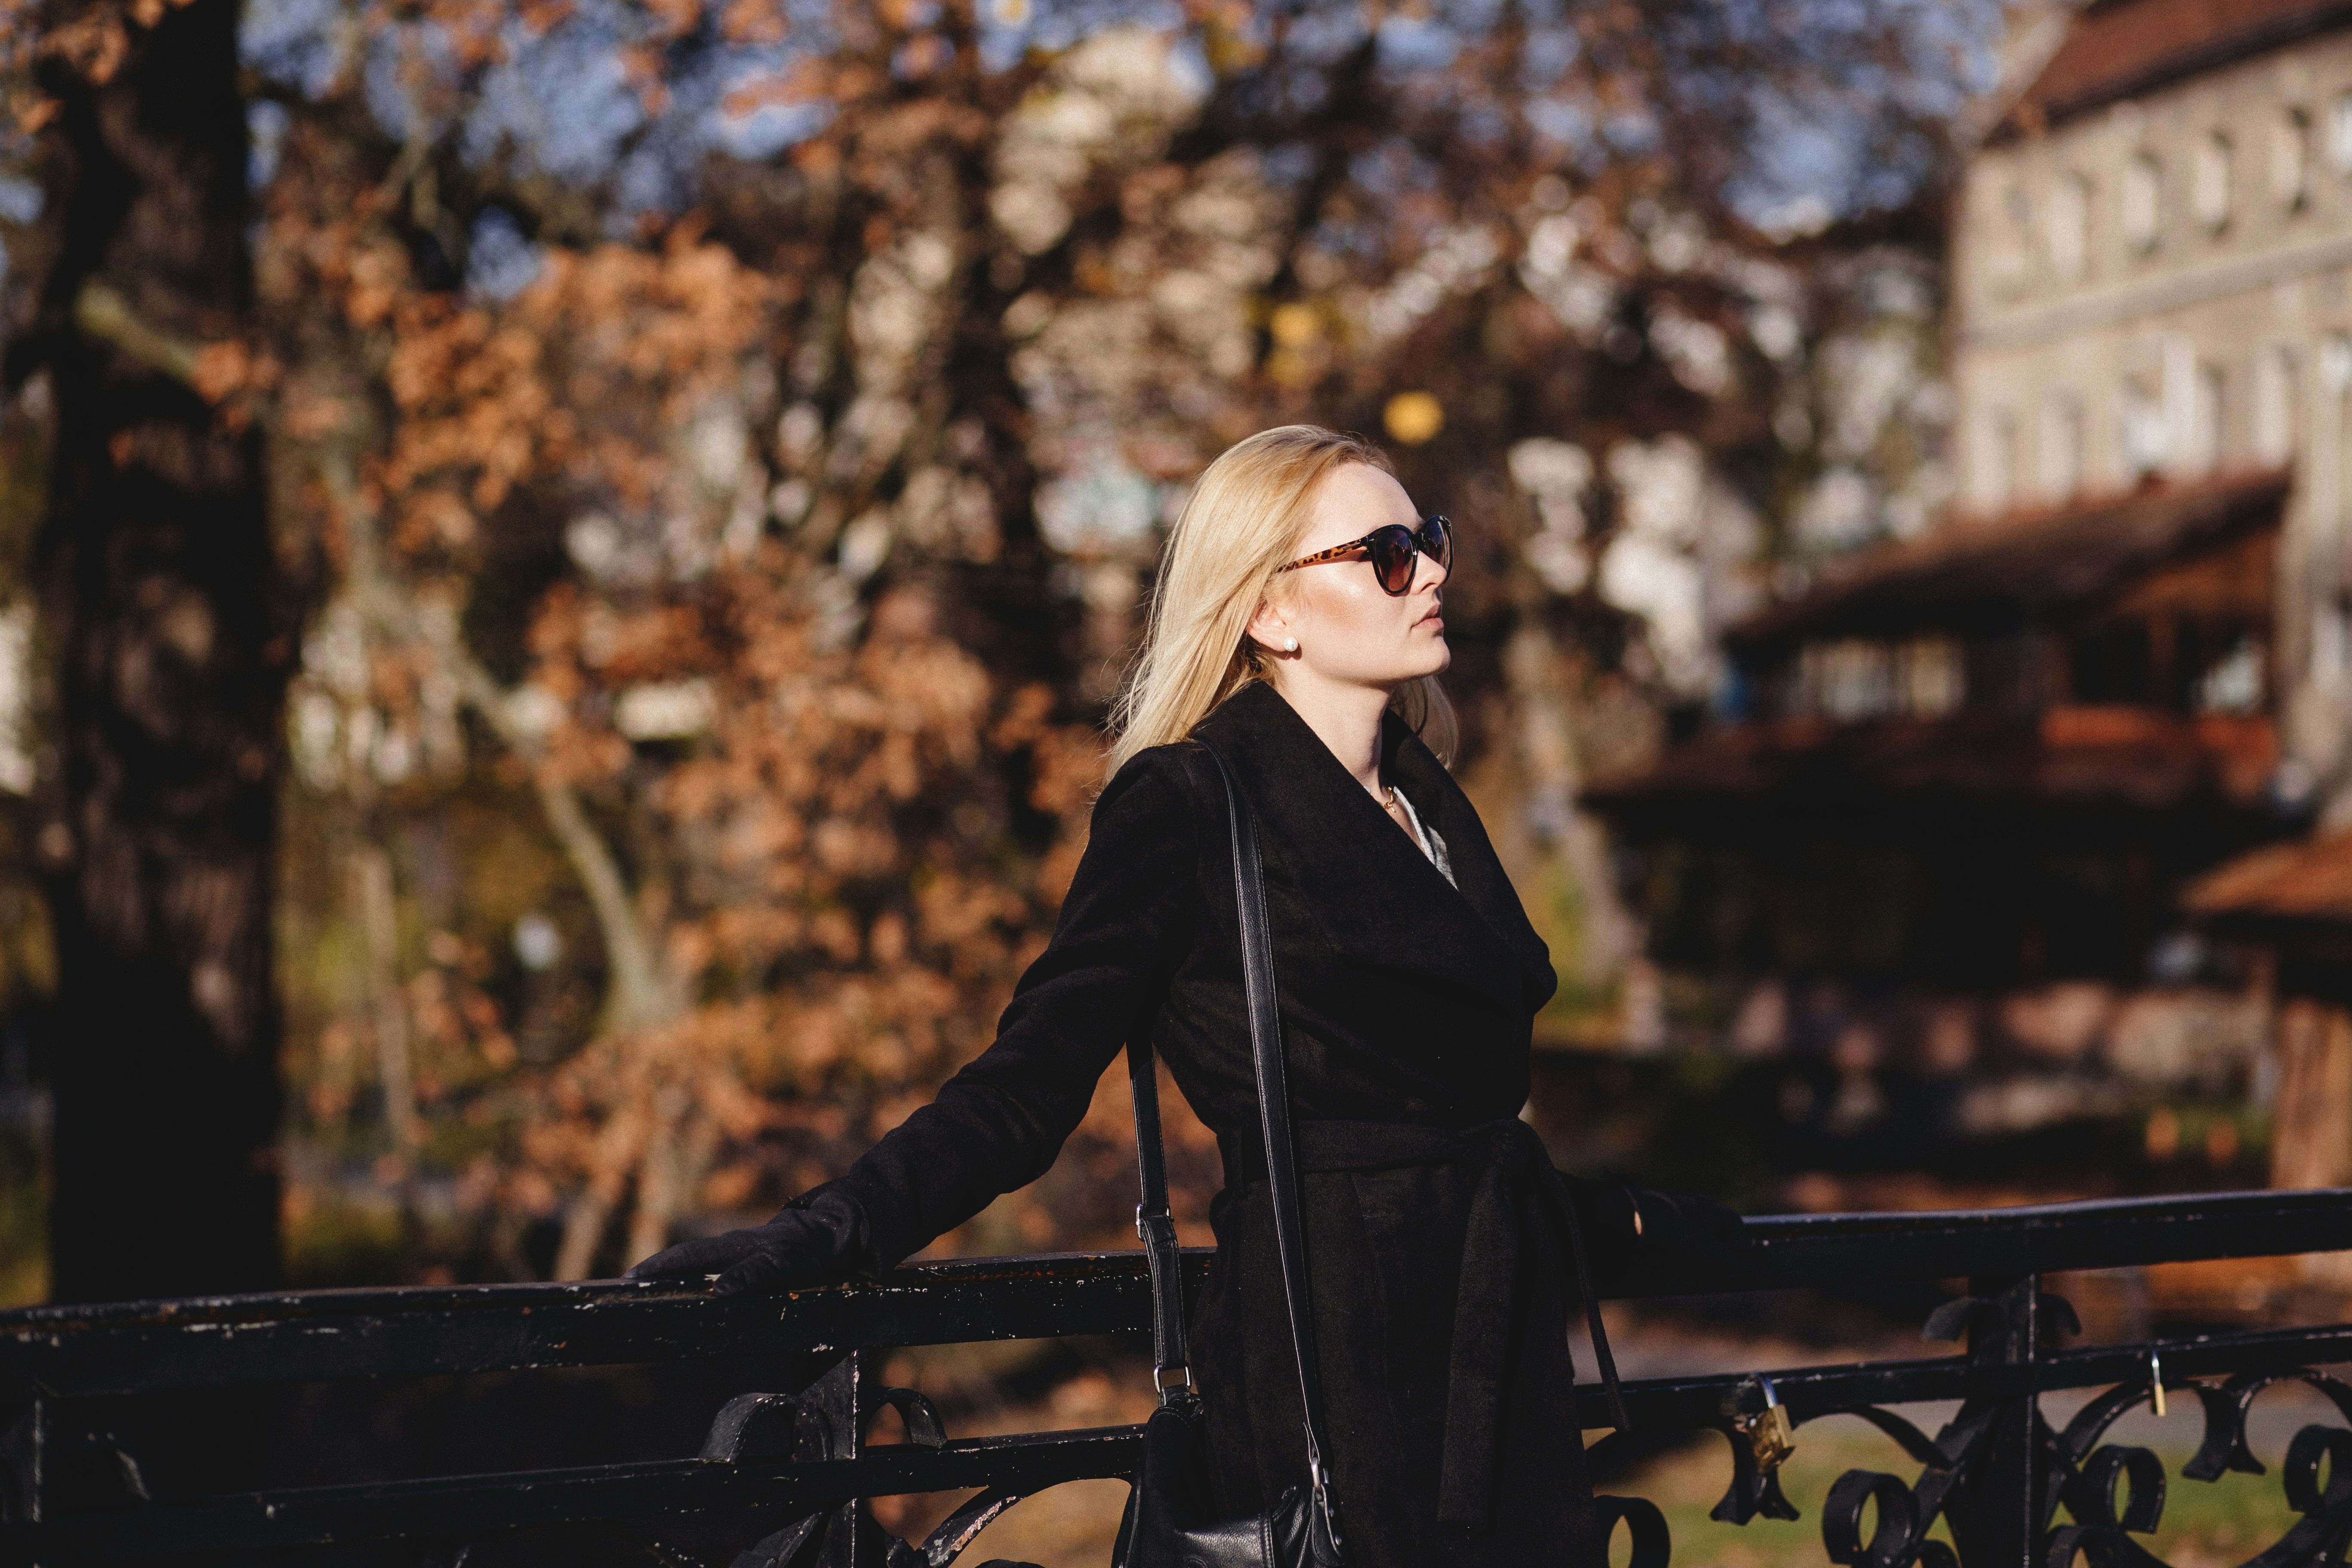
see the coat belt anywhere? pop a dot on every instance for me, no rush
(1519, 1213)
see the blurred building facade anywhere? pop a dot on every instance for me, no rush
(1960, 789)
(2152, 278)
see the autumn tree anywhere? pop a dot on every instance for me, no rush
(751, 523)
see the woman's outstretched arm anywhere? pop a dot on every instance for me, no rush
(998, 1124)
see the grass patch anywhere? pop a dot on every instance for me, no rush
(339, 1243)
(24, 1221)
(2205, 1525)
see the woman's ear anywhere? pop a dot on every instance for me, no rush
(1270, 631)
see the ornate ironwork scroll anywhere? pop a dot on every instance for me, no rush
(1998, 1476)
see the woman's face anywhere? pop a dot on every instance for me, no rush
(1351, 632)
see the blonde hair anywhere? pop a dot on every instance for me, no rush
(1240, 526)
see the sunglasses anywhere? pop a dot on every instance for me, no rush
(1392, 551)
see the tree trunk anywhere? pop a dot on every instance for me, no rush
(172, 659)
(379, 927)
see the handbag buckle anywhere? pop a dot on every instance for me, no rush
(1319, 1485)
(1159, 1381)
(1318, 1482)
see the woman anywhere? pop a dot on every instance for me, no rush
(1297, 628)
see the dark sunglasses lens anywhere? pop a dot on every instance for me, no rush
(1391, 549)
(1437, 540)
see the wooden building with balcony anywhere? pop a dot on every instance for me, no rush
(1987, 758)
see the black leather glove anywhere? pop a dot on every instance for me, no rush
(818, 1238)
(1690, 1240)
(1645, 1240)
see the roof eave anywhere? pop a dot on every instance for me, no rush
(2214, 510)
(2028, 115)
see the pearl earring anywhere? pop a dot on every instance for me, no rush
(1290, 644)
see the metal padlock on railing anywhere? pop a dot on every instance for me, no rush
(1771, 1438)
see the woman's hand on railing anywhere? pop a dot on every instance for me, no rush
(818, 1238)
(1646, 1240)
(1688, 1238)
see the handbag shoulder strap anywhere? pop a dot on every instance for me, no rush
(1156, 1227)
(1274, 1115)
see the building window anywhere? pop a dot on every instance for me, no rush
(2020, 208)
(2203, 453)
(2333, 401)
(2016, 260)
(2331, 642)
(1855, 678)
(2209, 183)
(2192, 408)
(2339, 134)
(2234, 682)
(1932, 677)
(2141, 209)
(2274, 403)
(2062, 445)
(2336, 364)
(2140, 431)
(2069, 226)
(1996, 462)
(1848, 680)
(2011, 246)
(2291, 159)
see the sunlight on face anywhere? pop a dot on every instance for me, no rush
(1349, 631)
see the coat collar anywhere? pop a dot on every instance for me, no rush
(1378, 897)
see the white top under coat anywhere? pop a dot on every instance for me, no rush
(1432, 845)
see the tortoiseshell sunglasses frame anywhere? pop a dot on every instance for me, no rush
(1442, 555)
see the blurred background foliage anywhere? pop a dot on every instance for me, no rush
(717, 454)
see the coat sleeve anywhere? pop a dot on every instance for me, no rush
(998, 1123)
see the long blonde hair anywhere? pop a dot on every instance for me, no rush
(1240, 526)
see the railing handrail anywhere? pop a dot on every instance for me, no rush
(787, 1457)
(323, 1335)
(460, 1503)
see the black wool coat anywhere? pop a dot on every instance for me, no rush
(1438, 1286)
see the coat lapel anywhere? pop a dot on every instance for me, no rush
(1378, 899)
(1477, 871)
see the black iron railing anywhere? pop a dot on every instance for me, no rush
(781, 1475)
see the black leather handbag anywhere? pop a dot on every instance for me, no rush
(1171, 1513)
